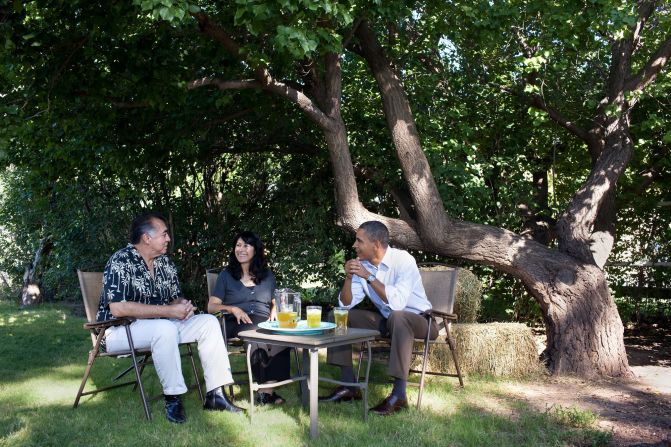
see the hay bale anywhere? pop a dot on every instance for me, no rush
(468, 297)
(496, 349)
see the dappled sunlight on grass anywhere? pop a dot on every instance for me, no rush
(43, 365)
(52, 314)
(48, 390)
(14, 431)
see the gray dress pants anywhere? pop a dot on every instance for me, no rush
(402, 327)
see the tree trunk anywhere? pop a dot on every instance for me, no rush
(584, 329)
(3, 276)
(583, 326)
(585, 333)
(30, 292)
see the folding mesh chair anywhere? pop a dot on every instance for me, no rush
(440, 284)
(90, 284)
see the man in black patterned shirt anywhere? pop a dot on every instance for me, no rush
(140, 281)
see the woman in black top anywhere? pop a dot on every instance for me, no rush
(245, 290)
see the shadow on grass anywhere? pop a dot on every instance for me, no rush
(39, 339)
(115, 418)
(43, 364)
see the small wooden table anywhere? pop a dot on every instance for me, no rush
(310, 344)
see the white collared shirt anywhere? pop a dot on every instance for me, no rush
(402, 284)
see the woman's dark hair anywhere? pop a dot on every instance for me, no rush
(258, 267)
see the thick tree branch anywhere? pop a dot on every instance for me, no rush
(264, 80)
(648, 73)
(333, 84)
(217, 33)
(431, 214)
(225, 85)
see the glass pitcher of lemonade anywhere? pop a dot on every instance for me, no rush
(288, 305)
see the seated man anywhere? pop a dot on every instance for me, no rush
(391, 279)
(140, 281)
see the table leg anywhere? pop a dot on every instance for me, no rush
(314, 384)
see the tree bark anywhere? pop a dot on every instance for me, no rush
(431, 216)
(30, 292)
(3, 276)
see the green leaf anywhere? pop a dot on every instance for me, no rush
(147, 5)
(166, 13)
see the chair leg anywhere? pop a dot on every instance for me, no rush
(92, 358)
(358, 367)
(425, 360)
(147, 412)
(143, 363)
(195, 373)
(367, 378)
(299, 370)
(453, 350)
(248, 350)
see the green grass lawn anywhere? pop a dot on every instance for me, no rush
(43, 354)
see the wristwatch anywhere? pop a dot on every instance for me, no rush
(370, 278)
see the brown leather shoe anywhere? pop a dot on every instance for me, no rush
(389, 405)
(341, 394)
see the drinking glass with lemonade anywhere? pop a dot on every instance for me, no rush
(314, 318)
(340, 314)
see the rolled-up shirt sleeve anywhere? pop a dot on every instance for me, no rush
(357, 293)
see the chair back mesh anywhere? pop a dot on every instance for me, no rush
(211, 282)
(440, 287)
(91, 285)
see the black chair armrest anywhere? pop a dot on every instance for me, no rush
(123, 321)
(221, 313)
(437, 313)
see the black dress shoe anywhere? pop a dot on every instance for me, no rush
(269, 399)
(389, 405)
(174, 410)
(342, 394)
(216, 400)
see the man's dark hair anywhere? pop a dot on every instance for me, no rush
(258, 267)
(143, 224)
(376, 231)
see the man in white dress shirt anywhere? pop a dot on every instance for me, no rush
(389, 277)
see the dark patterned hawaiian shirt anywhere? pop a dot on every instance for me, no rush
(127, 278)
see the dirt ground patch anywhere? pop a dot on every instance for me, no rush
(637, 412)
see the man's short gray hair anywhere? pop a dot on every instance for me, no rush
(376, 231)
(144, 224)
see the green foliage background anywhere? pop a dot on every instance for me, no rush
(98, 124)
